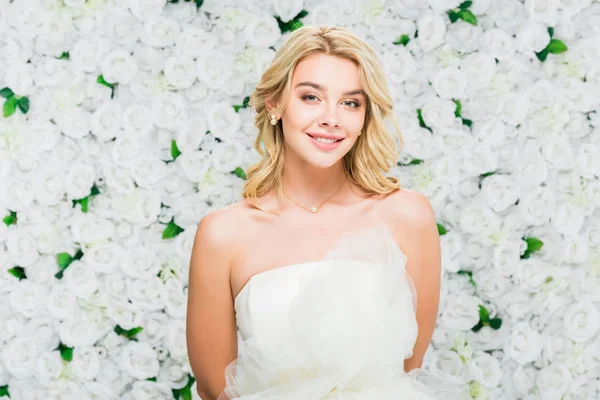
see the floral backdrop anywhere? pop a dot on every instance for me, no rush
(125, 122)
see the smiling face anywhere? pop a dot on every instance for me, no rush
(326, 110)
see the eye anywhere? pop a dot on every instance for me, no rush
(309, 97)
(352, 103)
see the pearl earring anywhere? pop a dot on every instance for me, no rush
(273, 119)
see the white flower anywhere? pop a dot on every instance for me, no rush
(498, 43)
(148, 294)
(323, 15)
(448, 361)
(449, 83)
(262, 31)
(581, 321)
(140, 262)
(79, 180)
(103, 257)
(533, 37)
(438, 113)
(287, 9)
(81, 280)
(148, 170)
(491, 284)
(106, 121)
(543, 10)
(155, 328)
(553, 381)
(18, 78)
(73, 122)
(61, 303)
(149, 390)
(21, 247)
(118, 67)
(175, 339)
(461, 312)
(399, 63)
(144, 9)
(173, 375)
(500, 192)
(86, 363)
(19, 357)
(180, 72)
(223, 121)
(27, 298)
(525, 344)
(30, 18)
(137, 120)
(432, 28)
(226, 156)
(149, 59)
(168, 111)
(463, 37)
(452, 245)
(160, 32)
(506, 258)
(139, 360)
(485, 368)
(215, 70)
(176, 299)
(89, 229)
(48, 367)
(568, 218)
(195, 43)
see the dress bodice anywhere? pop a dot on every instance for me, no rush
(337, 328)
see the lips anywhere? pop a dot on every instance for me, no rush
(324, 136)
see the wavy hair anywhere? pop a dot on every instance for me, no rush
(374, 151)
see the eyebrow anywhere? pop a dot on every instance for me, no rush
(323, 89)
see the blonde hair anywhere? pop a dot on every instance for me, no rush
(374, 151)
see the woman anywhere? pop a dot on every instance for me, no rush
(330, 271)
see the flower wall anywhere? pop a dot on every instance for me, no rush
(125, 122)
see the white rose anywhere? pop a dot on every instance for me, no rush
(452, 244)
(144, 9)
(48, 187)
(447, 361)
(432, 28)
(288, 9)
(141, 207)
(118, 67)
(538, 205)
(21, 247)
(148, 171)
(438, 113)
(585, 164)
(15, 194)
(48, 367)
(262, 31)
(97, 390)
(568, 218)
(575, 249)
(148, 294)
(148, 390)
(149, 59)
(544, 11)
(176, 299)
(87, 53)
(106, 121)
(461, 312)
(27, 298)
(160, 32)
(73, 122)
(223, 121)
(19, 356)
(88, 229)
(111, 376)
(399, 64)
(558, 152)
(524, 345)
(180, 72)
(137, 120)
(175, 339)
(139, 360)
(497, 43)
(140, 262)
(168, 111)
(29, 18)
(553, 381)
(506, 258)
(463, 37)
(581, 321)
(61, 303)
(449, 83)
(122, 29)
(477, 218)
(79, 330)
(86, 363)
(80, 279)
(225, 156)
(533, 37)
(18, 78)
(500, 192)
(173, 375)
(191, 135)
(523, 379)
(216, 69)
(194, 42)
(323, 15)
(155, 328)
(79, 180)
(491, 284)
(42, 271)
(103, 257)
(485, 368)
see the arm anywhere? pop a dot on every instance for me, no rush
(416, 225)
(211, 333)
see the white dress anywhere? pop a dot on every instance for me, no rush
(337, 328)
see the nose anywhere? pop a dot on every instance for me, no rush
(329, 119)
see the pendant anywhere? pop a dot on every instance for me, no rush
(314, 209)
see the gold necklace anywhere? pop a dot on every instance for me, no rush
(314, 209)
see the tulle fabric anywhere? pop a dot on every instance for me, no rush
(345, 335)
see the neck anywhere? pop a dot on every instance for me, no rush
(310, 185)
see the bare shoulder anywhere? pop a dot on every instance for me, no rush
(409, 209)
(220, 229)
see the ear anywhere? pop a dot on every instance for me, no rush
(270, 104)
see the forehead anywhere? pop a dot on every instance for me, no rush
(329, 71)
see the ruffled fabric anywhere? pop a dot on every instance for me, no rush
(344, 334)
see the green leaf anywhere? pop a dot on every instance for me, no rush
(65, 56)
(464, 5)
(186, 392)
(129, 334)
(10, 106)
(6, 93)
(95, 191)
(556, 46)
(550, 31)
(414, 161)
(10, 219)
(171, 230)
(467, 122)
(64, 260)
(477, 327)
(103, 82)
(151, 379)
(295, 25)
(23, 104)
(467, 16)
(453, 15)
(487, 174)
(174, 150)
(533, 245)
(441, 229)
(18, 272)
(542, 55)
(66, 353)
(198, 3)
(469, 274)
(244, 104)
(495, 323)
(484, 314)
(4, 391)
(458, 108)
(402, 40)
(422, 121)
(240, 173)
(301, 14)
